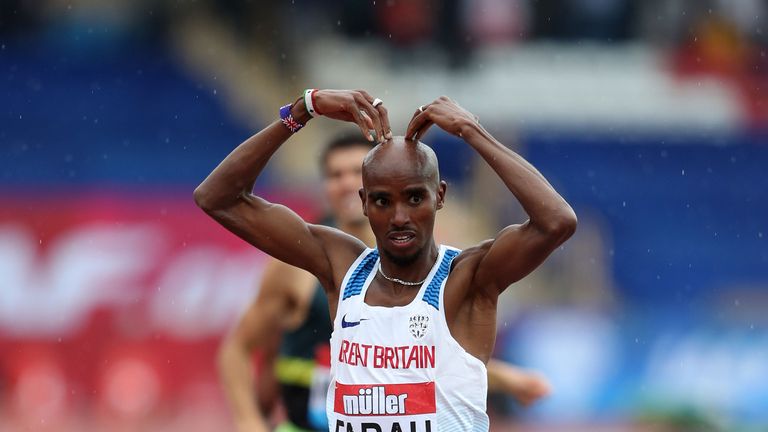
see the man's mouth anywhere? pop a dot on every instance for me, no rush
(401, 238)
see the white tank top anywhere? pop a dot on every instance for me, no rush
(398, 369)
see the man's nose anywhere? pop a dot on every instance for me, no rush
(402, 215)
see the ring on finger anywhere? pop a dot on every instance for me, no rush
(377, 102)
(421, 108)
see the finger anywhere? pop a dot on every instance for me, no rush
(373, 114)
(408, 133)
(418, 111)
(380, 132)
(384, 116)
(416, 127)
(358, 116)
(366, 95)
(423, 131)
(368, 121)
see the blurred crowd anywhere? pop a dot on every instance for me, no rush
(716, 38)
(455, 25)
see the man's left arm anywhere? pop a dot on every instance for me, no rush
(517, 249)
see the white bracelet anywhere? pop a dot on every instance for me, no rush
(308, 102)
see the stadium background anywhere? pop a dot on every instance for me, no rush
(649, 117)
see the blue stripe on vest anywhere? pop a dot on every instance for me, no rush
(432, 293)
(358, 277)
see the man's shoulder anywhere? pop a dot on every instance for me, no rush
(461, 285)
(464, 266)
(473, 252)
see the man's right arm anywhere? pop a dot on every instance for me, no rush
(226, 194)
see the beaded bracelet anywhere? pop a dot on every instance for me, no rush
(287, 118)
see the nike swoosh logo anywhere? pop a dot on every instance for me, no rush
(347, 324)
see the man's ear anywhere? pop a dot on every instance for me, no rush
(441, 194)
(361, 192)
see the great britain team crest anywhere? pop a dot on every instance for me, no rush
(418, 325)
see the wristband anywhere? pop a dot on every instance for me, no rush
(309, 101)
(287, 118)
(314, 104)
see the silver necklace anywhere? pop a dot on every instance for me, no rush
(400, 281)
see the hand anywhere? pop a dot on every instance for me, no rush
(533, 387)
(525, 386)
(443, 112)
(355, 106)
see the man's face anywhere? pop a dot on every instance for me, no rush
(401, 204)
(343, 169)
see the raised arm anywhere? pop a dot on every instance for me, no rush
(226, 195)
(517, 249)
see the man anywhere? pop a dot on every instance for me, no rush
(414, 322)
(292, 304)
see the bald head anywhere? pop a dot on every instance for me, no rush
(400, 157)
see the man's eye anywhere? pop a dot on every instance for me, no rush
(380, 201)
(416, 199)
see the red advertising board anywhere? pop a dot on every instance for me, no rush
(114, 305)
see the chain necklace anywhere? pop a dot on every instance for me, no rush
(400, 281)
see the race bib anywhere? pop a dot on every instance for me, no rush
(384, 408)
